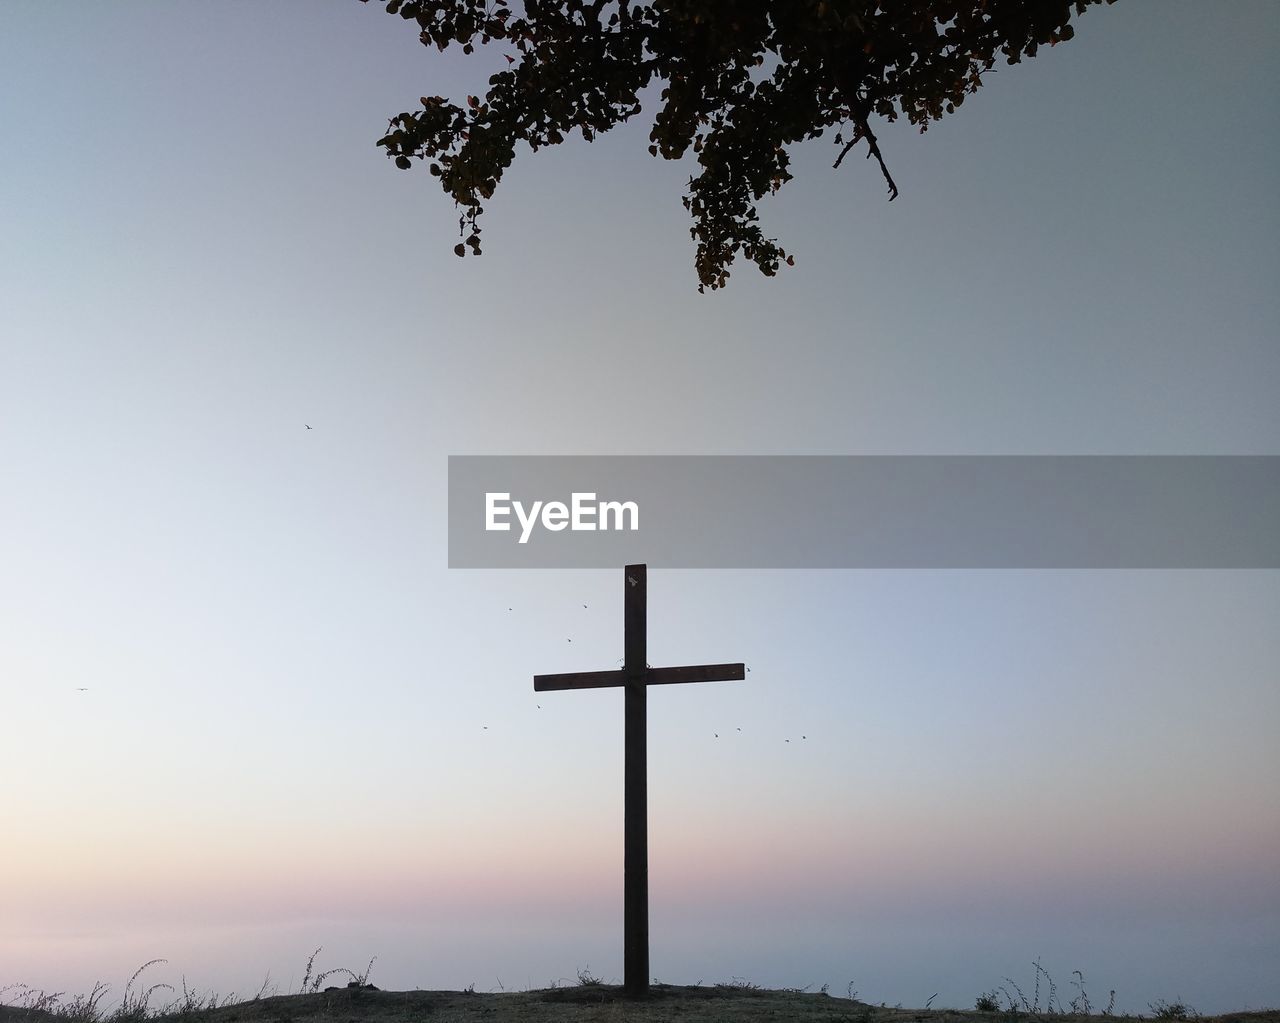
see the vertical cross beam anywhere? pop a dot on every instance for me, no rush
(635, 840)
(634, 679)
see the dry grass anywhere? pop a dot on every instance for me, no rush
(582, 1003)
(589, 1001)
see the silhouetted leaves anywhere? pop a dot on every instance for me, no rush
(741, 81)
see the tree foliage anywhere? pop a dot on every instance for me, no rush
(740, 82)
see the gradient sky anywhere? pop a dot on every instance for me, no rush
(283, 745)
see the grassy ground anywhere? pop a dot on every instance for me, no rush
(586, 1003)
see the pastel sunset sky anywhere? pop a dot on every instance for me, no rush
(248, 710)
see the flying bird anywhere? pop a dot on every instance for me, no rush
(82, 689)
(739, 729)
(632, 581)
(308, 427)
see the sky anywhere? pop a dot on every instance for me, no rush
(299, 728)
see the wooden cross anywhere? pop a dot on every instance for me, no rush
(635, 678)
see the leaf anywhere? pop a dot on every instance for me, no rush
(403, 162)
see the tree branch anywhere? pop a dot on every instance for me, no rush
(873, 149)
(859, 109)
(847, 146)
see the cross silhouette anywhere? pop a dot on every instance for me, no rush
(634, 678)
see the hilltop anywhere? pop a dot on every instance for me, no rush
(583, 1003)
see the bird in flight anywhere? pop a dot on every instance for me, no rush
(308, 427)
(632, 581)
(739, 729)
(82, 689)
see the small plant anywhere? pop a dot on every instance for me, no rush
(133, 1008)
(1026, 1006)
(84, 1008)
(306, 977)
(1053, 989)
(27, 997)
(193, 1002)
(1080, 1004)
(737, 984)
(1016, 1001)
(586, 979)
(1160, 1009)
(311, 984)
(988, 1001)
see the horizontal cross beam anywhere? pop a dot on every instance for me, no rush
(652, 676)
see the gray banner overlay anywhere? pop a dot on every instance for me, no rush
(818, 511)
